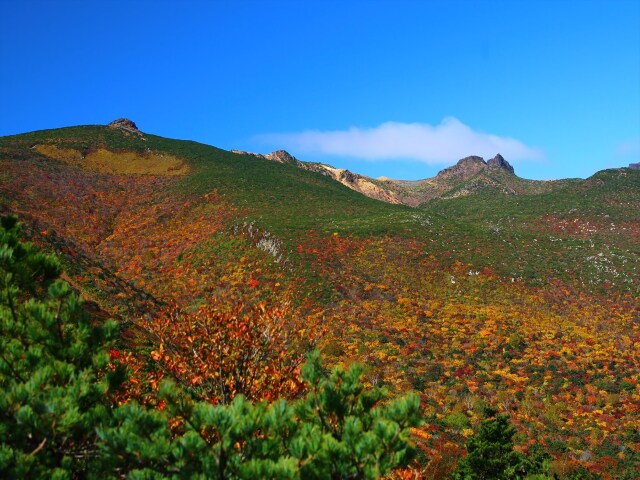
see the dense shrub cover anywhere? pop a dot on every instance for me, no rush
(58, 417)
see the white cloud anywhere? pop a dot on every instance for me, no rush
(439, 144)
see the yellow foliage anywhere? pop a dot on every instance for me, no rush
(124, 162)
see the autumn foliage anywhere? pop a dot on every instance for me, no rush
(221, 352)
(60, 418)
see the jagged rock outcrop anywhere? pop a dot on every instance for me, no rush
(469, 176)
(125, 124)
(499, 162)
(281, 156)
(634, 166)
(465, 168)
(472, 165)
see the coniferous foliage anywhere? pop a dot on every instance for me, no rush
(339, 430)
(54, 386)
(490, 453)
(346, 429)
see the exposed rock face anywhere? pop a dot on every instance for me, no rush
(465, 168)
(242, 152)
(634, 166)
(499, 162)
(354, 181)
(124, 124)
(281, 156)
(471, 166)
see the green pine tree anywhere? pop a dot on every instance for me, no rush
(54, 387)
(339, 430)
(347, 431)
(490, 454)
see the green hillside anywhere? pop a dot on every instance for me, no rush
(247, 181)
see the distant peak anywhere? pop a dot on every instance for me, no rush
(124, 124)
(473, 164)
(281, 156)
(472, 159)
(499, 162)
(466, 167)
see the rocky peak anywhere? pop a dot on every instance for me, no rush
(281, 156)
(634, 166)
(465, 168)
(472, 165)
(471, 160)
(124, 124)
(499, 162)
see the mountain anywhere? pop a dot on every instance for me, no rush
(82, 185)
(469, 176)
(492, 290)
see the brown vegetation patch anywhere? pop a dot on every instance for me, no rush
(118, 162)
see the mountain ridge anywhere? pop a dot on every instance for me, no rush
(468, 176)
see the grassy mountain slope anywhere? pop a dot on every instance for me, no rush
(470, 176)
(526, 301)
(75, 204)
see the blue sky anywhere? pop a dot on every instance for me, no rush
(394, 88)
